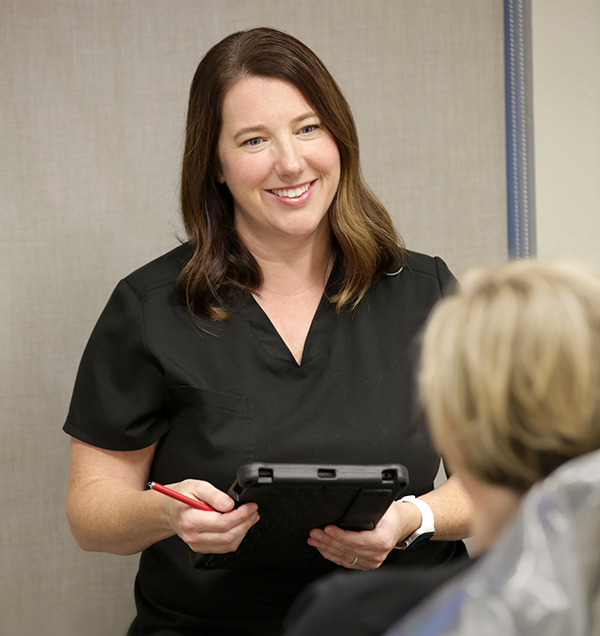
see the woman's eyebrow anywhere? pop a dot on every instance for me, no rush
(307, 115)
(249, 130)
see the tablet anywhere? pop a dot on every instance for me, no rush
(295, 498)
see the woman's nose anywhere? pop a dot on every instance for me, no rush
(290, 160)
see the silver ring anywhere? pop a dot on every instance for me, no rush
(355, 561)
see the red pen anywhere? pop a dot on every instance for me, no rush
(177, 495)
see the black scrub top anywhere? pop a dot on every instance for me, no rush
(232, 394)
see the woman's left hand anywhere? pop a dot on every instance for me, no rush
(367, 549)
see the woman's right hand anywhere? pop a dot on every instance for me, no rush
(209, 532)
(110, 508)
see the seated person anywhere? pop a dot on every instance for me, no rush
(541, 577)
(510, 383)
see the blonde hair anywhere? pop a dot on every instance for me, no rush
(510, 370)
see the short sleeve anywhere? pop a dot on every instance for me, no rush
(118, 401)
(448, 282)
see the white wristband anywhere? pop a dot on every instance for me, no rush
(425, 531)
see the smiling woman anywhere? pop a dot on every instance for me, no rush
(281, 331)
(362, 235)
(280, 165)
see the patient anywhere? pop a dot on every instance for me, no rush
(510, 383)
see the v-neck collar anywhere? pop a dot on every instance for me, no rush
(318, 336)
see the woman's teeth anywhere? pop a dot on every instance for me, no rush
(292, 192)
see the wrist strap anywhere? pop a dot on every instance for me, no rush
(427, 528)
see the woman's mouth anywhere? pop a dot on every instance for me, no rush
(293, 196)
(290, 193)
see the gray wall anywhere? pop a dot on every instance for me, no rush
(566, 110)
(92, 104)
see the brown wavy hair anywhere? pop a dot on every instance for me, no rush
(363, 235)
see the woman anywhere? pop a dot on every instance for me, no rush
(281, 331)
(510, 379)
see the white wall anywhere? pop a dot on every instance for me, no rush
(566, 98)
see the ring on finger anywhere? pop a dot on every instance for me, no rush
(355, 561)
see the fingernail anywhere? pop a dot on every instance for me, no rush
(329, 531)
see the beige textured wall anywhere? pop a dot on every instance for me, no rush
(566, 100)
(92, 99)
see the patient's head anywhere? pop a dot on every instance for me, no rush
(510, 371)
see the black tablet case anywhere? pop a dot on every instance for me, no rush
(295, 498)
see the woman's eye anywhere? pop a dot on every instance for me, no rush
(255, 141)
(306, 130)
